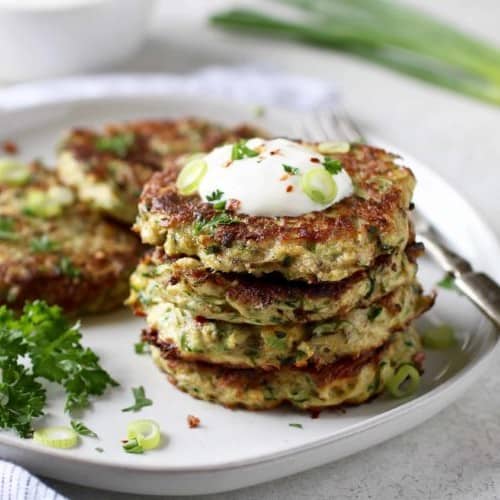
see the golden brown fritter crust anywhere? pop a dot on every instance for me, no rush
(319, 246)
(269, 299)
(111, 175)
(348, 381)
(75, 259)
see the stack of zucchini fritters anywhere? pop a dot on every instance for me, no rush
(255, 311)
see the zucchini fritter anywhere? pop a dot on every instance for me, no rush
(109, 169)
(56, 249)
(268, 300)
(348, 381)
(186, 337)
(316, 247)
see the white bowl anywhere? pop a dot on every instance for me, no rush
(46, 38)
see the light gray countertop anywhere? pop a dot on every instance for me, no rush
(456, 454)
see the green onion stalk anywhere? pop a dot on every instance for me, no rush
(398, 37)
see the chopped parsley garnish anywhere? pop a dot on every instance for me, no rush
(298, 426)
(132, 446)
(216, 199)
(333, 166)
(373, 312)
(141, 347)
(99, 449)
(44, 336)
(7, 229)
(68, 269)
(118, 144)
(140, 399)
(42, 244)
(447, 282)
(241, 150)
(291, 170)
(222, 219)
(82, 429)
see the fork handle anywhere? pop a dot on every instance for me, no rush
(483, 292)
(478, 287)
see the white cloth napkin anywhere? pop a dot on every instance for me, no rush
(248, 84)
(17, 483)
(259, 86)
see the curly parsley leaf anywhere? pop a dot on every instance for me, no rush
(241, 150)
(333, 166)
(44, 336)
(119, 144)
(82, 429)
(57, 355)
(140, 400)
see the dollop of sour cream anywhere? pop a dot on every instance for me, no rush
(269, 183)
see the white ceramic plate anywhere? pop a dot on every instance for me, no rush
(232, 449)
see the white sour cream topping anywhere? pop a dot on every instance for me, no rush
(261, 184)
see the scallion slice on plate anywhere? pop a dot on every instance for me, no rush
(56, 437)
(404, 382)
(146, 433)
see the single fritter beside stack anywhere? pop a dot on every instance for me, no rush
(283, 272)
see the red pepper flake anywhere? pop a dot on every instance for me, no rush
(201, 319)
(289, 188)
(315, 413)
(275, 152)
(419, 359)
(193, 421)
(10, 147)
(314, 160)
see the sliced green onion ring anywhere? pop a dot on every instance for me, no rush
(439, 337)
(191, 175)
(13, 172)
(404, 382)
(319, 185)
(56, 437)
(330, 147)
(145, 432)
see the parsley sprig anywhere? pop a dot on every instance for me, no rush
(140, 400)
(241, 150)
(216, 199)
(332, 165)
(44, 336)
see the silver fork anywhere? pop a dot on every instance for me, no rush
(482, 290)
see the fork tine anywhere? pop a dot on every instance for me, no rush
(349, 130)
(312, 128)
(328, 125)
